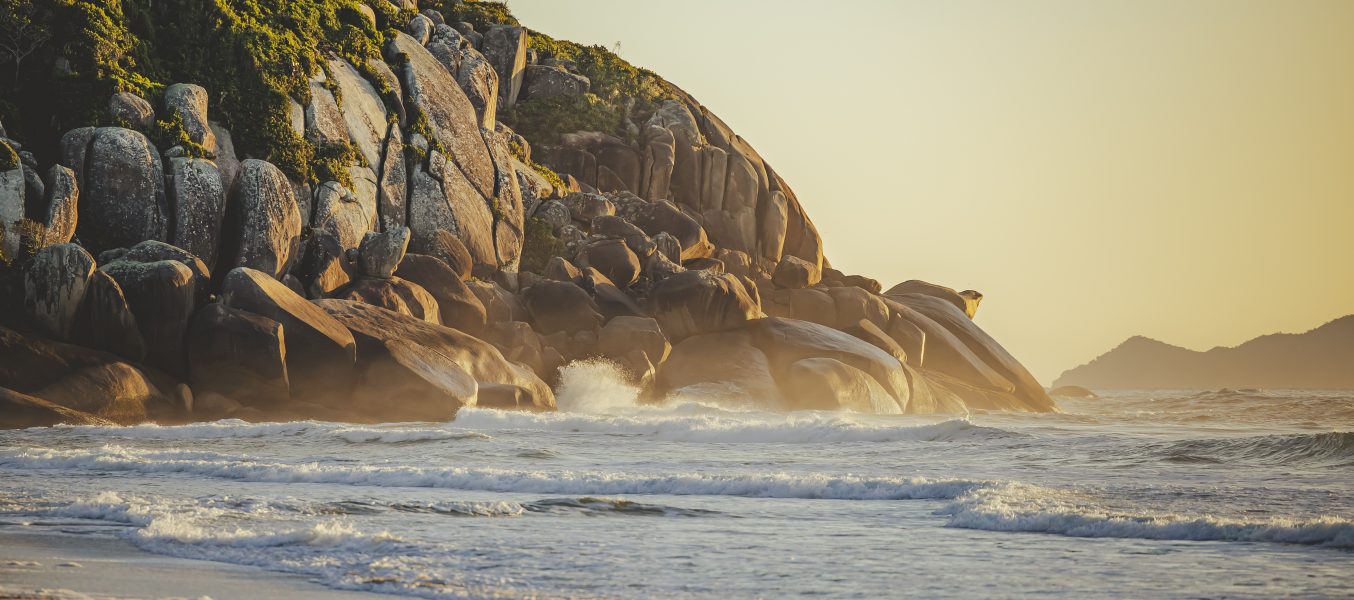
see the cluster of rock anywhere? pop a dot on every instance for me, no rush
(150, 285)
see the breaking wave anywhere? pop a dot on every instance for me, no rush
(237, 429)
(1334, 449)
(601, 483)
(1021, 507)
(666, 425)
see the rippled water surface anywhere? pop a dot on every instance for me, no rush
(1230, 493)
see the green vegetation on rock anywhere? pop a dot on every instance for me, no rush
(252, 57)
(482, 15)
(544, 120)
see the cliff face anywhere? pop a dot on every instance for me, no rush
(1318, 359)
(342, 220)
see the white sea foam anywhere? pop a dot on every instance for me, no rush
(608, 483)
(723, 427)
(237, 429)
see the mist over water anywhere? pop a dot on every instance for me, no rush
(1237, 493)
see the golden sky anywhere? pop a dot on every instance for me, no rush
(1179, 169)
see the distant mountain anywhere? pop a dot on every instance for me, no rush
(1322, 358)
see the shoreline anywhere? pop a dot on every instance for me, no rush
(41, 566)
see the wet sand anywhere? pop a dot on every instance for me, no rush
(57, 566)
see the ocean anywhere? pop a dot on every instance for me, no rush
(1213, 494)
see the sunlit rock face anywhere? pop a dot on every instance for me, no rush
(430, 257)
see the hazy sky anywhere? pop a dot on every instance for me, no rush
(1182, 170)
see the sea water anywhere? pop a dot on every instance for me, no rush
(1226, 493)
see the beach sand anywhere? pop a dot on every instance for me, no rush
(56, 566)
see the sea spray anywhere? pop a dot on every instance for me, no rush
(594, 385)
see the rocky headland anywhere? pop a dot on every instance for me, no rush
(1322, 358)
(368, 211)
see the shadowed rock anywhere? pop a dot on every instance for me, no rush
(161, 296)
(795, 273)
(21, 411)
(239, 355)
(405, 381)
(320, 350)
(613, 259)
(55, 281)
(458, 306)
(695, 302)
(560, 306)
(373, 327)
(106, 321)
(394, 294)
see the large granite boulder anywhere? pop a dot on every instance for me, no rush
(447, 248)
(611, 226)
(122, 184)
(55, 282)
(338, 212)
(161, 295)
(795, 273)
(695, 302)
(393, 197)
(829, 384)
(198, 197)
(499, 304)
(854, 304)
(722, 367)
(106, 322)
(364, 113)
(320, 350)
(968, 304)
(622, 335)
(432, 91)
(506, 48)
(323, 118)
(263, 228)
(788, 341)
(663, 217)
(12, 206)
(405, 381)
(613, 259)
(151, 251)
(380, 253)
(21, 411)
(189, 101)
(63, 197)
(131, 108)
(560, 306)
(239, 355)
(86, 380)
(945, 352)
(958, 322)
(393, 294)
(458, 306)
(374, 327)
